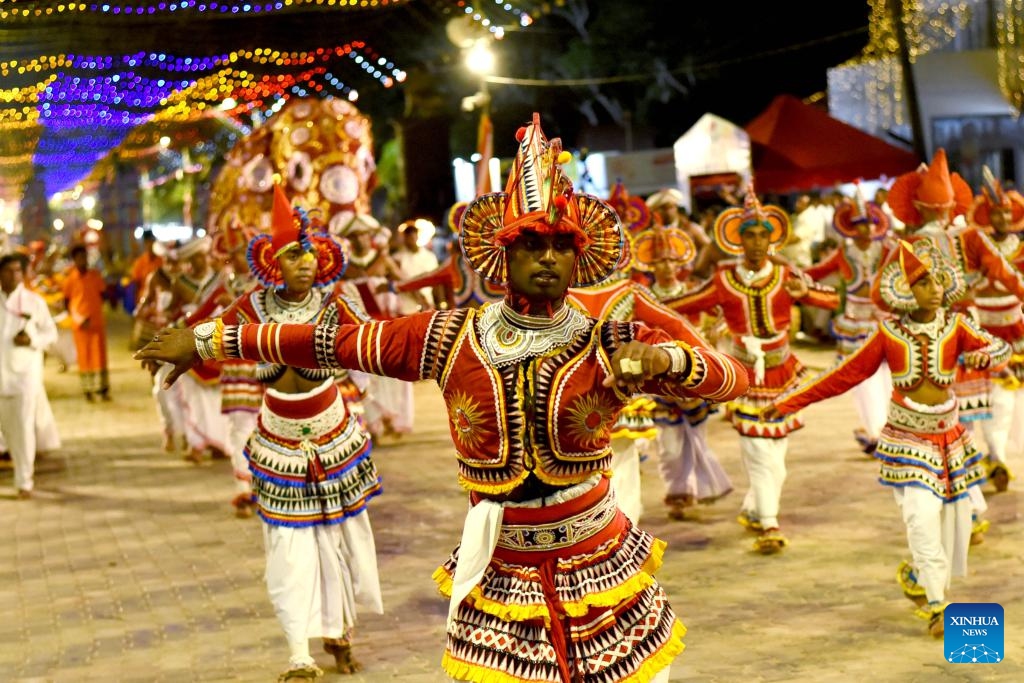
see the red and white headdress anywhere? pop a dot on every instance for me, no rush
(732, 223)
(290, 228)
(658, 243)
(231, 238)
(993, 195)
(855, 212)
(931, 186)
(908, 263)
(633, 211)
(539, 197)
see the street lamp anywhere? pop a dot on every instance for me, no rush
(479, 60)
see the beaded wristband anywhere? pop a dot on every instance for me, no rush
(679, 355)
(209, 339)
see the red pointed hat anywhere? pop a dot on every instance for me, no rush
(293, 227)
(931, 186)
(994, 196)
(855, 212)
(231, 238)
(731, 223)
(539, 197)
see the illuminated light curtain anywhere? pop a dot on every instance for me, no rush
(867, 91)
(1010, 51)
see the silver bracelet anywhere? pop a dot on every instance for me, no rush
(678, 357)
(203, 334)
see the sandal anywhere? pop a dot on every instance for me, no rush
(770, 542)
(749, 522)
(1000, 477)
(912, 590)
(343, 659)
(308, 672)
(934, 613)
(978, 529)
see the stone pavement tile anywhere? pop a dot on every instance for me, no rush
(130, 566)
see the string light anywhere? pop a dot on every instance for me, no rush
(36, 9)
(1010, 51)
(868, 89)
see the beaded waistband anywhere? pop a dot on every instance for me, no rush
(303, 416)
(542, 529)
(925, 423)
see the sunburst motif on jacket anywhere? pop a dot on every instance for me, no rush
(465, 415)
(589, 419)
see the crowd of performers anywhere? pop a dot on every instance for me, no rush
(570, 337)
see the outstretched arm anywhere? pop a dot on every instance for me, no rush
(843, 376)
(394, 348)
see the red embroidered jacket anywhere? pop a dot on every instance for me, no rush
(516, 403)
(762, 309)
(912, 359)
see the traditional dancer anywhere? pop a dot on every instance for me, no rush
(26, 329)
(926, 200)
(926, 454)
(389, 407)
(863, 226)
(757, 296)
(688, 467)
(1001, 214)
(551, 581)
(206, 429)
(241, 394)
(310, 460)
(83, 294)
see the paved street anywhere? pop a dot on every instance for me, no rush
(130, 566)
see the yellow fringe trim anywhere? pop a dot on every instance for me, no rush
(503, 487)
(627, 433)
(464, 671)
(613, 596)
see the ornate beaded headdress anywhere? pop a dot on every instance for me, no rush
(539, 197)
(855, 211)
(908, 263)
(231, 238)
(931, 186)
(659, 243)
(731, 223)
(632, 210)
(993, 195)
(293, 227)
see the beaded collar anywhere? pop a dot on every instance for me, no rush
(929, 329)
(364, 260)
(509, 337)
(748, 276)
(676, 290)
(279, 310)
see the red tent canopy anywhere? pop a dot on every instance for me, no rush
(795, 146)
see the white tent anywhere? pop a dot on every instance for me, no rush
(712, 145)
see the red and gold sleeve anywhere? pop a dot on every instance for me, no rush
(973, 338)
(706, 374)
(983, 255)
(393, 348)
(442, 276)
(842, 377)
(822, 269)
(704, 298)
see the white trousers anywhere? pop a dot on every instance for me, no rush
(391, 399)
(626, 478)
(241, 425)
(939, 535)
(18, 424)
(316, 575)
(687, 465)
(1007, 409)
(168, 403)
(871, 399)
(205, 426)
(765, 463)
